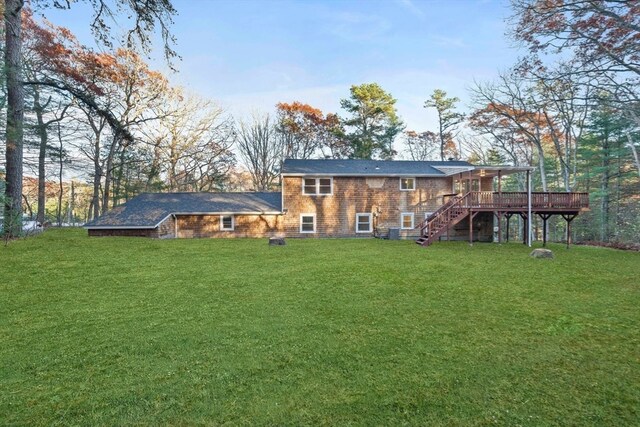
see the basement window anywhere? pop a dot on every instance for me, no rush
(317, 186)
(407, 184)
(227, 222)
(363, 223)
(308, 223)
(406, 220)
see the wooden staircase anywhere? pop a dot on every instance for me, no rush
(448, 215)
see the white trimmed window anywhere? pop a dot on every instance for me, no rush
(427, 214)
(307, 223)
(227, 223)
(407, 184)
(406, 220)
(364, 223)
(317, 186)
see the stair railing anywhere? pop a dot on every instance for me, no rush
(450, 211)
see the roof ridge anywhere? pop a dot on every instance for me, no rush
(209, 192)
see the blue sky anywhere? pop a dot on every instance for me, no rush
(249, 55)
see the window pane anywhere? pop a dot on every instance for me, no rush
(309, 186)
(227, 222)
(325, 186)
(407, 183)
(307, 223)
(407, 221)
(364, 223)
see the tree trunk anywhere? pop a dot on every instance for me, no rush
(42, 154)
(15, 115)
(97, 176)
(441, 137)
(120, 182)
(604, 187)
(543, 173)
(60, 183)
(72, 199)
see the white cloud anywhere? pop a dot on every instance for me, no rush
(412, 7)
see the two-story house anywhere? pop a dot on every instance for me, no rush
(345, 198)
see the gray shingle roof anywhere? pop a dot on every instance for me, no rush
(354, 167)
(148, 209)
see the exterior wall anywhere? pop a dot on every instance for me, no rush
(486, 184)
(244, 226)
(129, 232)
(336, 213)
(167, 229)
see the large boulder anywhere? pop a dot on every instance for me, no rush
(541, 253)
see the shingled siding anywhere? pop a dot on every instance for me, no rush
(190, 226)
(336, 214)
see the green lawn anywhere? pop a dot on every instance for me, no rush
(112, 331)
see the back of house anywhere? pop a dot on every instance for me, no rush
(333, 198)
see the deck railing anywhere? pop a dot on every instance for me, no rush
(513, 200)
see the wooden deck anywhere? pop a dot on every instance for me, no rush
(502, 204)
(515, 202)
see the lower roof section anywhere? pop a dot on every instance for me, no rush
(148, 210)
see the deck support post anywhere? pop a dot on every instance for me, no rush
(569, 218)
(508, 215)
(499, 215)
(545, 217)
(525, 228)
(471, 216)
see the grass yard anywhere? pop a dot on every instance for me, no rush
(117, 331)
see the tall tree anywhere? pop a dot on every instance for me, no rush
(307, 132)
(43, 124)
(607, 174)
(333, 144)
(373, 124)
(300, 125)
(191, 143)
(511, 102)
(15, 117)
(146, 15)
(261, 149)
(448, 120)
(421, 146)
(600, 36)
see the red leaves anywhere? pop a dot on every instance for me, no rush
(54, 52)
(593, 30)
